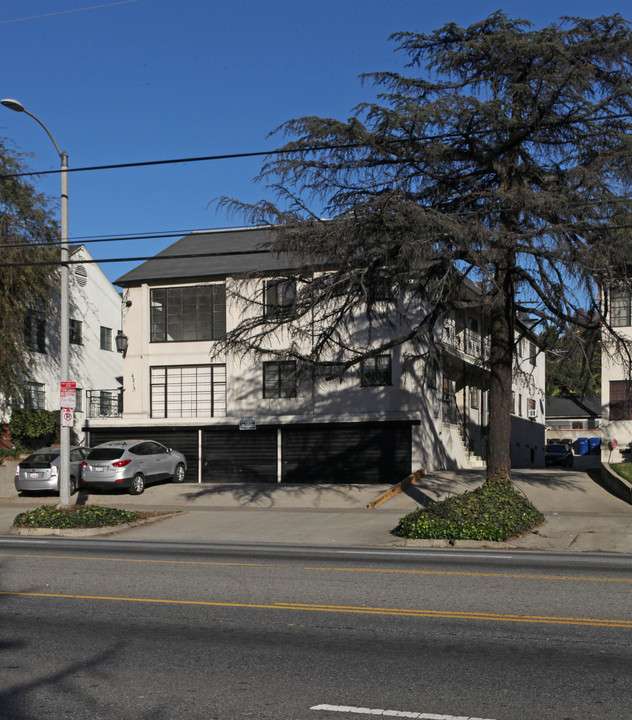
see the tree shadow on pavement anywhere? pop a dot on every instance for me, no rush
(271, 494)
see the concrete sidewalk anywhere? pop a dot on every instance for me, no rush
(581, 515)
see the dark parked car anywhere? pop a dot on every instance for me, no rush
(559, 454)
(40, 471)
(132, 464)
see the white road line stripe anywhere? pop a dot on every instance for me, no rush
(393, 713)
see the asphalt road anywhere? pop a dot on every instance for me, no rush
(101, 629)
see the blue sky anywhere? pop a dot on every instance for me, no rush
(141, 80)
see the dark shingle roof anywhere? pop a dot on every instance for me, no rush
(213, 253)
(572, 406)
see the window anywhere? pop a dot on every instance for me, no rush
(520, 404)
(279, 379)
(513, 402)
(474, 398)
(188, 391)
(74, 334)
(106, 338)
(620, 406)
(35, 396)
(184, 314)
(432, 372)
(279, 296)
(376, 371)
(110, 403)
(531, 408)
(533, 352)
(620, 308)
(35, 332)
(79, 400)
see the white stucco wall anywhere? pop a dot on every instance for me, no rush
(95, 303)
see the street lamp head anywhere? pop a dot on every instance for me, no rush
(13, 104)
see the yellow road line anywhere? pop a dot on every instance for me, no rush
(315, 568)
(398, 612)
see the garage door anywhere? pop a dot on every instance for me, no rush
(233, 455)
(347, 453)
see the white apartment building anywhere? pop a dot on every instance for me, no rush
(260, 420)
(94, 364)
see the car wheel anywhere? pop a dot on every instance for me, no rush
(73, 486)
(178, 475)
(138, 485)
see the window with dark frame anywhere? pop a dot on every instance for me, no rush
(620, 405)
(279, 379)
(620, 304)
(75, 334)
(376, 371)
(188, 391)
(474, 404)
(35, 332)
(533, 352)
(35, 396)
(188, 314)
(279, 297)
(106, 338)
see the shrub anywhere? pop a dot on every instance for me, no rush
(495, 511)
(76, 516)
(33, 428)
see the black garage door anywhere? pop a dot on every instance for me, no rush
(347, 453)
(184, 440)
(233, 455)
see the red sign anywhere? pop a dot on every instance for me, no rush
(68, 394)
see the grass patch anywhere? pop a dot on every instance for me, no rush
(491, 512)
(76, 516)
(624, 469)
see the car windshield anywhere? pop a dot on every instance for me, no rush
(38, 460)
(106, 453)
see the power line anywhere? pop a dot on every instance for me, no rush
(174, 161)
(312, 148)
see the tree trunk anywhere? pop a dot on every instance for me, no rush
(501, 360)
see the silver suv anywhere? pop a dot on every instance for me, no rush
(132, 464)
(40, 470)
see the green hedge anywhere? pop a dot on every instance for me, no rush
(76, 516)
(495, 512)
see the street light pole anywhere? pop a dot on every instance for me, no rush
(64, 430)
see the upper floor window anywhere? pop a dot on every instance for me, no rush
(35, 332)
(376, 371)
(279, 379)
(620, 405)
(35, 396)
(75, 332)
(620, 308)
(182, 314)
(188, 391)
(533, 352)
(279, 296)
(106, 338)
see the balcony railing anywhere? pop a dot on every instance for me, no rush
(105, 403)
(466, 341)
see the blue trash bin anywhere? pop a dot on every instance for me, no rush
(595, 445)
(583, 446)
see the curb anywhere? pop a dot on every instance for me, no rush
(88, 532)
(617, 485)
(396, 489)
